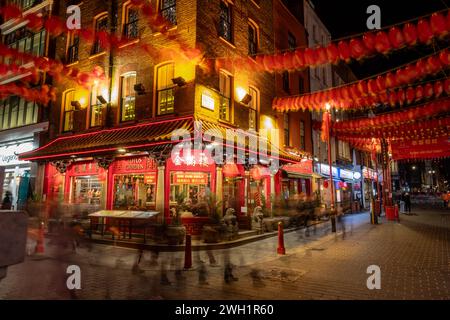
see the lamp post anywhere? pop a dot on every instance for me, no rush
(332, 204)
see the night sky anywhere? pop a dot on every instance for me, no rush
(348, 17)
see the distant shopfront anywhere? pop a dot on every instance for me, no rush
(369, 185)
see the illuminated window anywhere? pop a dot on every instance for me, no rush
(252, 39)
(286, 129)
(225, 22)
(72, 47)
(68, 110)
(168, 9)
(225, 96)
(16, 112)
(97, 108)
(130, 26)
(101, 25)
(164, 88)
(127, 96)
(253, 108)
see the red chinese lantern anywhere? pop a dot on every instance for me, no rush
(401, 76)
(373, 87)
(438, 25)
(344, 51)
(299, 59)
(54, 26)
(410, 95)
(325, 184)
(447, 86)
(424, 31)
(321, 55)
(428, 90)
(34, 21)
(383, 97)
(396, 38)
(411, 73)
(391, 81)
(357, 49)
(433, 65)
(421, 68)
(288, 61)
(419, 93)
(369, 41)
(410, 34)
(382, 43)
(401, 96)
(392, 99)
(381, 83)
(444, 57)
(438, 89)
(362, 87)
(332, 53)
(310, 57)
(268, 62)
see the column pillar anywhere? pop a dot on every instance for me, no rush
(219, 188)
(160, 190)
(272, 191)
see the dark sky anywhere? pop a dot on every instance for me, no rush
(348, 17)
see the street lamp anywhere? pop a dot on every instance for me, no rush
(332, 205)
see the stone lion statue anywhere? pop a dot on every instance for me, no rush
(231, 225)
(257, 219)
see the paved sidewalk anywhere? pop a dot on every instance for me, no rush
(414, 257)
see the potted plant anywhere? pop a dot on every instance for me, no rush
(175, 231)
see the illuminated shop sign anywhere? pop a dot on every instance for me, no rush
(325, 170)
(9, 154)
(346, 174)
(190, 178)
(369, 174)
(207, 102)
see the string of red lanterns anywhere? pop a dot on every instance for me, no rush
(359, 47)
(376, 89)
(42, 95)
(394, 118)
(426, 128)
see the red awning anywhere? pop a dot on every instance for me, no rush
(230, 170)
(259, 172)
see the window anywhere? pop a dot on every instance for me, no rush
(25, 41)
(164, 88)
(301, 84)
(253, 108)
(225, 96)
(130, 26)
(127, 96)
(286, 128)
(101, 25)
(225, 23)
(16, 112)
(72, 47)
(97, 108)
(189, 187)
(292, 42)
(285, 76)
(252, 39)
(68, 110)
(168, 9)
(134, 191)
(302, 135)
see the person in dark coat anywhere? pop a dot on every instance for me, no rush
(407, 199)
(6, 203)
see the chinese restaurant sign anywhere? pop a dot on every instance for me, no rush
(85, 168)
(421, 149)
(369, 173)
(150, 178)
(134, 165)
(304, 167)
(190, 178)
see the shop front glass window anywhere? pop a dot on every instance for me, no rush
(191, 191)
(134, 191)
(87, 190)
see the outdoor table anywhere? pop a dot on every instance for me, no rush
(122, 217)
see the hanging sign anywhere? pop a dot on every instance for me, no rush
(421, 148)
(134, 165)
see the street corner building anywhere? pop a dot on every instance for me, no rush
(106, 145)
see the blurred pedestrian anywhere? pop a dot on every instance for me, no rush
(202, 274)
(7, 203)
(407, 199)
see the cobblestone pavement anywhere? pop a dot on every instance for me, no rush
(414, 257)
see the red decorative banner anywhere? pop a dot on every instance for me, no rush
(303, 167)
(421, 148)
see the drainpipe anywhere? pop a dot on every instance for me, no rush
(114, 22)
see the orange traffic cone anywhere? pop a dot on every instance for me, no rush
(40, 240)
(280, 249)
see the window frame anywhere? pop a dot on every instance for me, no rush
(162, 10)
(229, 21)
(167, 88)
(97, 47)
(254, 26)
(126, 22)
(286, 135)
(121, 97)
(65, 112)
(254, 106)
(223, 74)
(95, 106)
(72, 45)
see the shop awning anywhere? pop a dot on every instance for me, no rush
(146, 136)
(302, 170)
(135, 137)
(230, 170)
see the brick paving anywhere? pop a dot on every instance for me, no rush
(414, 257)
